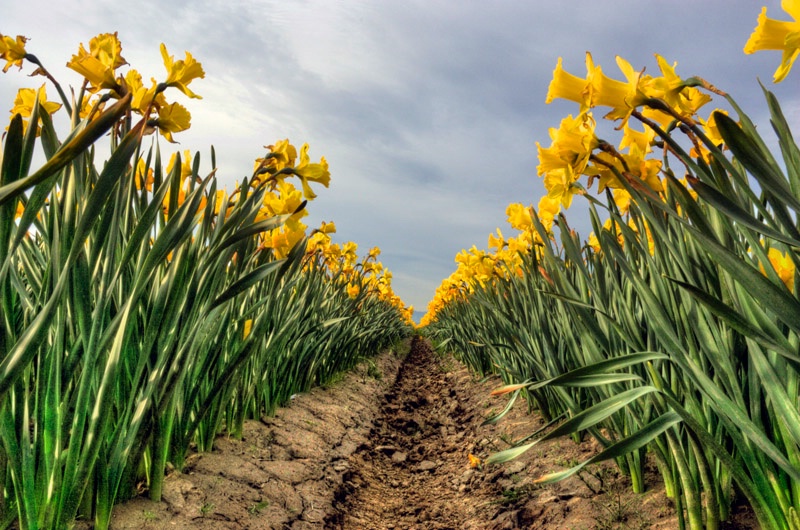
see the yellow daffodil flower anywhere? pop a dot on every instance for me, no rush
(353, 289)
(25, 100)
(12, 50)
(571, 87)
(143, 177)
(143, 97)
(519, 217)
(186, 164)
(642, 139)
(98, 64)
(560, 185)
(548, 209)
(772, 34)
(783, 265)
(327, 228)
(311, 172)
(622, 199)
(496, 243)
(712, 132)
(173, 118)
(283, 200)
(182, 72)
(87, 107)
(686, 101)
(572, 144)
(622, 96)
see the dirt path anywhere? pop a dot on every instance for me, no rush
(387, 447)
(415, 473)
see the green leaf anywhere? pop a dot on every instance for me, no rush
(637, 440)
(581, 421)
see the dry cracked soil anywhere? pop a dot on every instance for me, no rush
(388, 447)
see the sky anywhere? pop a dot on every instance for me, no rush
(427, 111)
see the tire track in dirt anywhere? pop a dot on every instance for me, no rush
(415, 472)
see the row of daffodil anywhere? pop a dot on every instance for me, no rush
(98, 66)
(144, 309)
(671, 333)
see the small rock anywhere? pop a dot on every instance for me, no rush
(394, 484)
(427, 465)
(466, 475)
(386, 449)
(399, 457)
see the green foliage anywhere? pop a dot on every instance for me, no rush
(683, 345)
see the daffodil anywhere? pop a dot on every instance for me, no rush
(142, 97)
(311, 172)
(90, 107)
(642, 139)
(284, 199)
(572, 145)
(173, 118)
(186, 164)
(25, 100)
(548, 209)
(496, 243)
(560, 185)
(622, 96)
(182, 72)
(711, 131)
(622, 199)
(646, 169)
(519, 217)
(685, 100)
(571, 87)
(783, 265)
(329, 228)
(282, 240)
(143, 176)
(772, 34)
(12, 50)
(98, 64)
(353, 289)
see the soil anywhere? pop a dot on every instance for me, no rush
(388, 447)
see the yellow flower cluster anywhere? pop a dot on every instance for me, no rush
(364, 277)
(98, 66)
(576, 151)
(503, 259)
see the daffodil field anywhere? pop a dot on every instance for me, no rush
(671, 333)
(144, 309)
